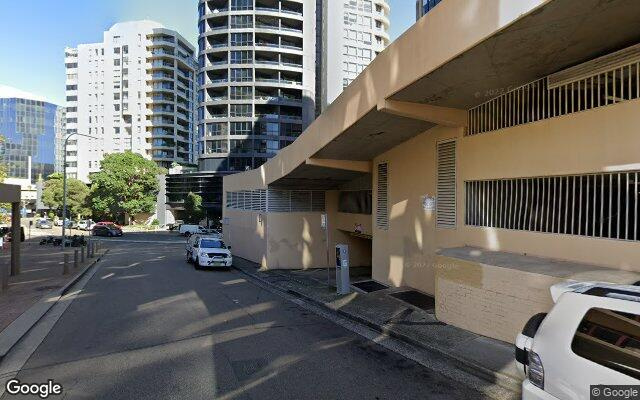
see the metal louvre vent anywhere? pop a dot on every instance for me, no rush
(317, 201)
(382, 204)
(278, 200)
(610, 79)
(446, 196)
(596, 205)
(273, 200)
(300, 201)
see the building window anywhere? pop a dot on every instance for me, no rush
(594, 205)
(241, 75)
(382, 203)
(446, 188)
(241, 110)
(241, 128)
(242, 39)
(241, 92)
(242, 57)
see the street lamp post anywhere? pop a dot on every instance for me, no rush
(64, 184)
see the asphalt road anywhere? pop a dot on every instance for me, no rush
(149, 326)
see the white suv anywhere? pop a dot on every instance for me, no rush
(208, 251)
(590, 337)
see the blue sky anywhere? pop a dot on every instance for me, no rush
(34, 33)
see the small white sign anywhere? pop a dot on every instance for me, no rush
(323, 221)
(428, 203)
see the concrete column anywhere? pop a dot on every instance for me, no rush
(76, 258)
(65, 267)
(16, 237)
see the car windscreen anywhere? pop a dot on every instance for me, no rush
(211, 244)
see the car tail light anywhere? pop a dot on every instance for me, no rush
(535, 371)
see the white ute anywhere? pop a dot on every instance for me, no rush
(208, 251)
(591, 336)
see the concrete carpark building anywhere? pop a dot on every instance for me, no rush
(498, 140)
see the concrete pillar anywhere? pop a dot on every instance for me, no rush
(82, 248)
(90, 249)
(76, 258)
(16, 238)
(65, 267)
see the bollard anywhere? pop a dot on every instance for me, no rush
(89, 249)
(65, 268)
(82, 254)
(75, 258)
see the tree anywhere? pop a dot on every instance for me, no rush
(193, 211)
(77, 195)
(126, 184)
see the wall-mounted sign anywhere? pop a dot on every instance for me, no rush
(428, 203)
(323, 221)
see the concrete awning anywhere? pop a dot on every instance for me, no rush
(491, 46)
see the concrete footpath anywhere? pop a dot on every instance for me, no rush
(36, 289)
(489, 359)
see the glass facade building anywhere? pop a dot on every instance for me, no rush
(29, 131)
(424, 6)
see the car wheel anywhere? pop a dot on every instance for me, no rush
(109, 234)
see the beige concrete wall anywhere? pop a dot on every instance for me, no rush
(246, 234)
(598, 140)
(497, 302)
(296, 241)
(404, 254)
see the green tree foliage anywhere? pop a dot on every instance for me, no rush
(193, 211)
(126, 184)
(77, 195)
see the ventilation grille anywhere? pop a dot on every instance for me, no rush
(273, 200)
(598, 83)
(596, 205)
(446, 198)
(382, 205)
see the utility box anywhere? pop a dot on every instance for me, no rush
(342, 269)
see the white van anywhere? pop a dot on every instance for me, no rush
(590, 337)
(188, 230)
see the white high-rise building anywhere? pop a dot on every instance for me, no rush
(257, 79)
(352, 34)
(268, 67)
(133, 91)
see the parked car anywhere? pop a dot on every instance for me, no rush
(188, 230)
(44, 223)
(109, 230)
(590, 336)
(208, 251)
(108, 223)
(86, 225)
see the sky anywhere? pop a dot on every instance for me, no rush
(34, 33)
